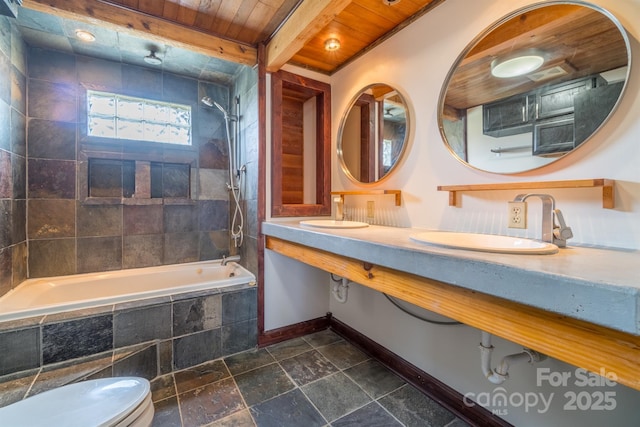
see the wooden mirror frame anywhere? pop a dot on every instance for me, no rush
(306, 88)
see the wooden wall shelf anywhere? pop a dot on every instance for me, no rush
(396, 193)
(608, 201)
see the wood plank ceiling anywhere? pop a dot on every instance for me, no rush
(293, 31)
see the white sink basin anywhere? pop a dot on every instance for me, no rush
(332, 223)
(485, 242)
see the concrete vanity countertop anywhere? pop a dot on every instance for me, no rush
(598, 285)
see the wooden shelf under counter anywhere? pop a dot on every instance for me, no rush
(396, 193)
(608, 201)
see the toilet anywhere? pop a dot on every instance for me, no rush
(107, 402)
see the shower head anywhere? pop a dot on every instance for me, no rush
(211, 103)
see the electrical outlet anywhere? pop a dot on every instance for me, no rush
(371, 209)
(517, 216)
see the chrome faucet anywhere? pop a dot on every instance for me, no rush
(232, 258)
(339, 201)
(557, 234)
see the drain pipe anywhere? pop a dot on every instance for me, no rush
(501, 373)
(340, 289)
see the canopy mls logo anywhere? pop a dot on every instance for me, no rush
(593, 393)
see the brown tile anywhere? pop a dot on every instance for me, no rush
(201, 375)
(307, 367)
(247, 360)
(18, 221)
(19, 171)
(18, 133)
(56, 257)
(263, 384)
(180, 218)
(214, 154)
(166, 413)
(14, 389)
(51, 140)
(343, 354)
(99, 254)
(239, 419)
(54, 376)
(6, 265)
(52, 179)
(143, 219)
(6, 175)
(180, 247)
(43, 95)
(322, 338)
(106, 177)
(163, 387)
(99, 220)
(143, 180)
(6, 223)
(19, 260)
(142, 250)
(289, 348)
(49, 218)
(214, 244)
(210, 403)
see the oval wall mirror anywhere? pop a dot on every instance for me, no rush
(373, 133)
(534, 86)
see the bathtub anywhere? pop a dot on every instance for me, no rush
(51, 295)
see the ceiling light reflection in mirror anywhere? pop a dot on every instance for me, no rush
(373, 133)
(511, 121)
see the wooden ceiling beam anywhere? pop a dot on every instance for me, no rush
(310, 17)
(138, 24)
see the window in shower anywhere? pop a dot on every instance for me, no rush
(115, 116)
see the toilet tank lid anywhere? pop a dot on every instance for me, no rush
(100, 402)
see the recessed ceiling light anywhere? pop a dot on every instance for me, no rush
(390, 2)
(85, 36)
(332, 44)
(516, 66)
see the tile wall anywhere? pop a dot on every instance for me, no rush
(66, 234)
(13, 205)
(186, 330)
(246, 87)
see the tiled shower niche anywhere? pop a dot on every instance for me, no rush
(114, 180)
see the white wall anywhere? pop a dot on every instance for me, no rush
(416, 61)
(294, 292)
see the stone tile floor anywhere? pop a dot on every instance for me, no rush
(317, 380)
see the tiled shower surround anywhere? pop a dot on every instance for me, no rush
(159, 335)
(13, 204)
(67, 232)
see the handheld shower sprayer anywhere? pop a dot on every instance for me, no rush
(234, 184)
(206, 100)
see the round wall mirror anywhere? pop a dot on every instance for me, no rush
(373, 133)
(534, 86)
